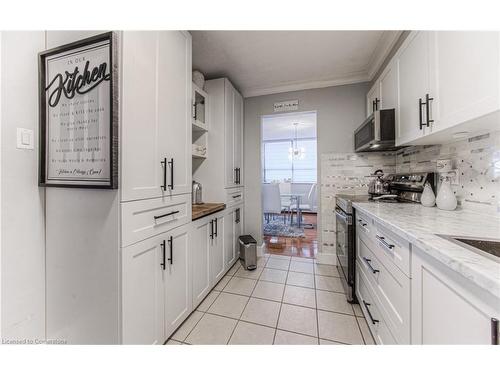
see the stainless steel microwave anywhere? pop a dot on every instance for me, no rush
(377, 132)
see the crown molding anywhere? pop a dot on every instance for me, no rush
(384, 46)
(297, 86)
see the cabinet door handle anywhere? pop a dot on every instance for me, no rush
(237, 196)
(170, 213)
(171, 246)
(428, 100)
(383, 242)
(164, 164)
(215, 227)
(211, 229)
(377, 100)
(494, 331)
(162, 245)
(239, 176)
(420, 105)
(369, 313)
(171, 163)
(367, 261)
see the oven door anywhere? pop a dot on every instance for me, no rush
(343, 226)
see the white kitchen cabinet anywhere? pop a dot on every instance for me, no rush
(217, 264)
(156, 107)
(233, 229)
(143, 293)
(178, 278)
(201, 233)
(229, 168)
(238, 138)
(446, 307)
(373, 99)
(466, 69)
(413, 62)
(238, 230)
(389, 86)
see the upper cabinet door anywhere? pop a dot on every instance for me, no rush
(230, 172)
(156, 108)
(174, 108)
(389, 87)
(466, 72)
(238, 137)
(142, 293)
(373, 99)
(414, 77)
(141, 149)
(178, 281)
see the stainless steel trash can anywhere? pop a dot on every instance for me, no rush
(248, 252)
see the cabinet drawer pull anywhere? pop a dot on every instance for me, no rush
(428, 100)
(211, 229)
(171, 163)
(164, 164)
(369, 313)
(171, 245)
(237, 196)
(383, 242)
(162, 245)
(494, 331)
(215, 227)
(420, 105)
(367, 261)
(170, 213)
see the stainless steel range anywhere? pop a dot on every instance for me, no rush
(403, 188)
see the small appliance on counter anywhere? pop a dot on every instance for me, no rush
(378, 186)
(196, 197)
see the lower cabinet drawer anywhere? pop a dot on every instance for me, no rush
(146, 218)
(390, 248)
(392, 289)
(371, 310)
(234, 197)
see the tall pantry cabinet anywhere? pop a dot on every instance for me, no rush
(155, 184)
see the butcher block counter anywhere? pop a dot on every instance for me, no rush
(204, 209)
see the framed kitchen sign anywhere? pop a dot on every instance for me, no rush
(79, 114)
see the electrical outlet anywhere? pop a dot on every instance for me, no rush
(452, 175)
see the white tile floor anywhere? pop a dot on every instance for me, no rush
(286, 301)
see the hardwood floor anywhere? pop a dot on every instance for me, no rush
(306, 247)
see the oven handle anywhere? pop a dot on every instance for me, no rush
(343, 216)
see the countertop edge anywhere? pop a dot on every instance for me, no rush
(457, 263)
(208, 212)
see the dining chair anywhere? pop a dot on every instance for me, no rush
(271, 201)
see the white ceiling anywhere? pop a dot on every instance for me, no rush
(267, 62)
(283, 126)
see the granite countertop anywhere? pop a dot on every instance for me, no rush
(205, 209)
(420, 226)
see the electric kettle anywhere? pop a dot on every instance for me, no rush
(197, 193)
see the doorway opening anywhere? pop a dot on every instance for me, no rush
(289, 184)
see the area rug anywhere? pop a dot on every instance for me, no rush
(276, 227)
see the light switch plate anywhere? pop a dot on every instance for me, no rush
(25, 139)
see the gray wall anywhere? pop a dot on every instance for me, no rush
(340, 110)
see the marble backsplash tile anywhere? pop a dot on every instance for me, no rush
(476, 160)
(477, 163)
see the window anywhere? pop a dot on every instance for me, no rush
(280, 166)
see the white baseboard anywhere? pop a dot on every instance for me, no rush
(326, 258)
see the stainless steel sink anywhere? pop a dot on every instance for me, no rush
(487, 247)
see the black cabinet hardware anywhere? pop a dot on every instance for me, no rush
(237, 219)
(171, 246)
(162, 245)
(211, 229)
(237, 176)
(368, 263)
(170, 213)
(237, 196)
(494, 331)
(216, 227)
(164, 164)
(428, 100)
(171, 163)
(194, 111)
(369, 313)
(377, 101)
(420, 105)
(383, 242)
